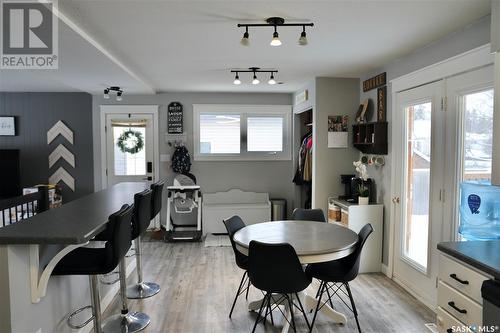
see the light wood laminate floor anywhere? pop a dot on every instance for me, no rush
(198, 286)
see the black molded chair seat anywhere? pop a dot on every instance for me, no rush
(85, 261)
(332, 271)
(308, 215)
(141, 217)
(156, 202)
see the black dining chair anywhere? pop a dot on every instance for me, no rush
(276, 270)
(337, 274)
(233, 224)
(308, 215)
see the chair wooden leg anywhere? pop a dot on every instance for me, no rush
(353, 305)
(237, 293)
(263, 305)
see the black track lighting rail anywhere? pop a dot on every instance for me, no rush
(254, 70)
(275, 22)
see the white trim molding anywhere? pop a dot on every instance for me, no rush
(475, 58)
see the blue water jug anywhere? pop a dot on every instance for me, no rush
(479, 210)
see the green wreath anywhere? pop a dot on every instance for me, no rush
(130, 142)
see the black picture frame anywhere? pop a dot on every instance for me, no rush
(8, 126)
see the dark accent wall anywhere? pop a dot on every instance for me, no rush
(35, 114)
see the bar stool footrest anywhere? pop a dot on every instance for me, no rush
(74, 326)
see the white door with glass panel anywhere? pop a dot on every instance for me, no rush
(419, 197)
(469, 120)
(130, 148)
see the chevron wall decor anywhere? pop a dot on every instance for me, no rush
(62, 175)
(59, 129)
(61, 152)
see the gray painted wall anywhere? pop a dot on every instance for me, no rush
(333, 96)
(35, 114)
(468, 38)
(274, 177)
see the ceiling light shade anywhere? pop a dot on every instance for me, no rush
(271, 80)
(106, 94)
(119, 96)
(276, 39)
(303, 38)
(237, 80)
(244, 40)
(255, 80)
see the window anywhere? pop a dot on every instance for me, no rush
(127, 164)
(242, 132)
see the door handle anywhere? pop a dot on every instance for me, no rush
(147, 178)
(149, 167)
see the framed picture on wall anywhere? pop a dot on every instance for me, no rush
(7, 126)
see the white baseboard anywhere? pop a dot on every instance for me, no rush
(106, 300)
(424, 300)
(385, 270)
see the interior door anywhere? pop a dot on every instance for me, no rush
(418, 196)
(469, 133)
(127, 162)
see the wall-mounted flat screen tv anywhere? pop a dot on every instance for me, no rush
(10, 177)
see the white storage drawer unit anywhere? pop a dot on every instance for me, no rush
(250, 206)
(459, 295)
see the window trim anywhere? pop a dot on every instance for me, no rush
(245, 111)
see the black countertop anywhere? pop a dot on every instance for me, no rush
(75, 222)
(483, 255)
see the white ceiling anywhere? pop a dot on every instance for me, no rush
(147, 46)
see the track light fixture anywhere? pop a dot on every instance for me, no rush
(254, 70)
(275, 22)
(114, 89)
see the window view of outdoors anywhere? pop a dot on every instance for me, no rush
(418, 165)
(127, 164)
(478, 135)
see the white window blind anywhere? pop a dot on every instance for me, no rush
(242, 132)
(265, 134)
(219, 134)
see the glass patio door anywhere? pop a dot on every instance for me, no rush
(419, 199)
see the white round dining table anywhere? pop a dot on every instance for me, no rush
(314, 242)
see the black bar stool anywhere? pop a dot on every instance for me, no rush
(140, 222)
(95, 261)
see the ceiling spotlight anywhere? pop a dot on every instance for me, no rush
(255, 80)
(271, 80)
(119, 95)
(106, 93)
(237, 79)
(244, 40)
(303, 37)
(113, 89)
(276, 39)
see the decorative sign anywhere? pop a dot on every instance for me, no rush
(61, 152)
(174, 118)
(7, 126)
(381, 103)
(301, 97)
(374, 82)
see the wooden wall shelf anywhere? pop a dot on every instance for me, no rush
(370, 138)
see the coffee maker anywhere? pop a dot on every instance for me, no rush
(351, 184)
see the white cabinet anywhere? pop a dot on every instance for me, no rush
(354, 217)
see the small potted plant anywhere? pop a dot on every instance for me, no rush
(363, 190)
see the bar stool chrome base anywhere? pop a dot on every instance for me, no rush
(130, 322)
(143, 290)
